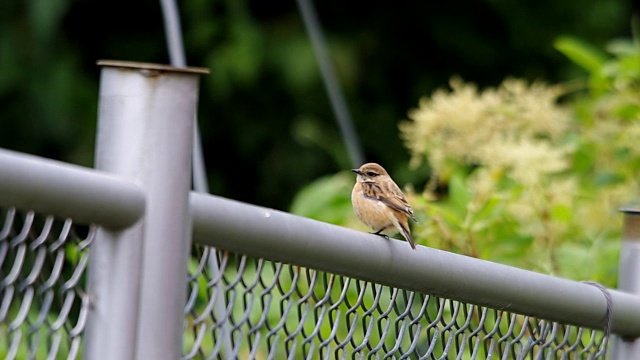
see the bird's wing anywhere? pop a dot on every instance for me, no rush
(391, 196)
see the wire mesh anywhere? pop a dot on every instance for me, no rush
(249, 308)
(43, 305)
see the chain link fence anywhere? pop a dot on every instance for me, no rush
(259, 306)
(241, 307)
(43, 304)
(248, 308)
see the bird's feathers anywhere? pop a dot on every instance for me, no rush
(407, 235)
(390, 196)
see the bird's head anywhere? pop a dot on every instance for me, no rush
(370, 172)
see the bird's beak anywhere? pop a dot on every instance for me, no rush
(357, 171)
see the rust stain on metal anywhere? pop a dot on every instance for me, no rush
(150, 73)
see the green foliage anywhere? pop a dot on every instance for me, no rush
(327, 199)
(264, 76)
(618, 73)
(520, 177)
(536, 183)
(541, 188)
(581, 53)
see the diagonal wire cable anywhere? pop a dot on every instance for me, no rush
(330, 80)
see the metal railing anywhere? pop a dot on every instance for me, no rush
(259, 283)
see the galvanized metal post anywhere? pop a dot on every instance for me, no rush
(629, 277)
(137, 276)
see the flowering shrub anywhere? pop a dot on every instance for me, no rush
(530, 180)
(527, 174)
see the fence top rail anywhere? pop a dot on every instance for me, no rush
(279, 236)
(68, 191)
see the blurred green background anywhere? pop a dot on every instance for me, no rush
(512, 126)
(263, 111)
(426, 86)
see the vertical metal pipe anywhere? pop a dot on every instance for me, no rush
(629, 277)
(137, 277)
(177, 55)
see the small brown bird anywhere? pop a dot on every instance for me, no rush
(379, 203)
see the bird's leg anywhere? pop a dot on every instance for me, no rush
(379, 232)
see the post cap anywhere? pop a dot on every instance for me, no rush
(630, 209)
(151, 66)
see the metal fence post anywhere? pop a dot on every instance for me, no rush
(137, 277)
(629, 277)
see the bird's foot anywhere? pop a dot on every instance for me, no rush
(379, 233)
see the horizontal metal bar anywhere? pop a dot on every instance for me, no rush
(56, 188)
(279, 236)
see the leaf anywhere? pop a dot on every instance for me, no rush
(628, 111)
(622, 47)
(488, 215)
(581, 53)
(326, 199)
(445, 213)
(608, 179)
(459, 193)
(562, 213)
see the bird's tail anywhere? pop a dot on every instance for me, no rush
(404, 229)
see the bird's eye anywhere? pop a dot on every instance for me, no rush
(371, 173)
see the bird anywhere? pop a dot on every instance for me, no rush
(380, 204)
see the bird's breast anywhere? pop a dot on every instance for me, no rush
(374, 213)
